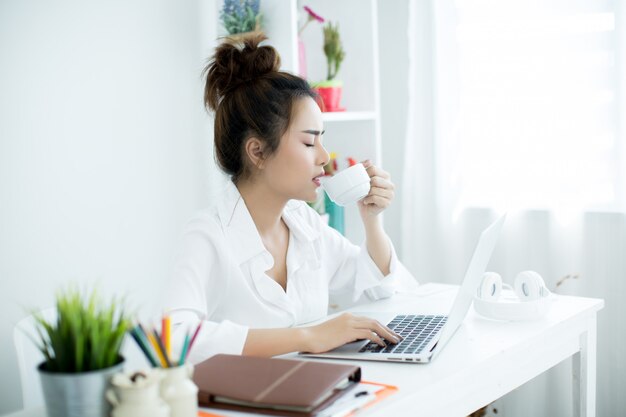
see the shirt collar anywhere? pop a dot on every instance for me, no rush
(305, 247)
(239, 228)
(299, 228)
(242, 234)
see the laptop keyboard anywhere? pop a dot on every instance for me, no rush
(416, 332)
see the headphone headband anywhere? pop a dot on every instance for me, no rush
(529, 300)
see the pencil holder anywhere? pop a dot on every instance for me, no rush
(179, 391)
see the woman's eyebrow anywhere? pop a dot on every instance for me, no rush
(314, 132)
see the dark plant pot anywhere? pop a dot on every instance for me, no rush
(330, 98)
(79, 394)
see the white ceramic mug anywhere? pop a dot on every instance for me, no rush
(347, 186)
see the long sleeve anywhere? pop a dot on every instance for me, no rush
(220, 276)
(353, 270)
(196, 288)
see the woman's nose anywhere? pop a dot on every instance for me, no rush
(323, 155)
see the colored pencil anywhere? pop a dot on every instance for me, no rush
(162, 348)
(156, 348)
(135, 332)
(193, 338)
(146, 338)
(183, 353)
(166, 334)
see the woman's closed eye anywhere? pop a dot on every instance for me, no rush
(316, 136)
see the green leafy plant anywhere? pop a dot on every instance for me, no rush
(240, 16)
(333, 50)
(86, 336)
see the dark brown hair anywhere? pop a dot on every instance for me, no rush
(250, 97)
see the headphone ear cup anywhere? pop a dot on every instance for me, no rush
(490, 287)
(529, 286)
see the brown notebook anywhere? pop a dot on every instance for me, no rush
(275, 386)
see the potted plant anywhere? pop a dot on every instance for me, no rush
(241, 16)
(81, 352)
(330, 89)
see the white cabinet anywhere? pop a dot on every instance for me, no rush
(355, 132)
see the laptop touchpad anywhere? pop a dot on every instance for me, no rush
(351, 347)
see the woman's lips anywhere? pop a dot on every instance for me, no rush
(317, 180)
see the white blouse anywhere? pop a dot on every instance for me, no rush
(221, 275)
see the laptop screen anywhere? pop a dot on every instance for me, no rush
(473, 276)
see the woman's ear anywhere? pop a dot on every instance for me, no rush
(255, 151)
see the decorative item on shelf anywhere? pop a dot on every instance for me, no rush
(82, 353)
(311, 16)
(330, 90)
(335, 215)
(241, 16)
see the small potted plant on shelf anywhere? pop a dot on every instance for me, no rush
(81, 352)
(241, 16)
(330, 90)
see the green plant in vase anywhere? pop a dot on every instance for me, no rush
(330, 89)
(81, 350)
(333, 50)
(241, 16)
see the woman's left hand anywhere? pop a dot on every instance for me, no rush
(381, 191)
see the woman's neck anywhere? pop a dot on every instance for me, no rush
(264, 206)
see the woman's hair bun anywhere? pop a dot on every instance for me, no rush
(236, 62)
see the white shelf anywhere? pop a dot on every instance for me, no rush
(348, 116)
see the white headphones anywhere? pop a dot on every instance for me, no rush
(528, 300)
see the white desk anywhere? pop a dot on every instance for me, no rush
(485, 360)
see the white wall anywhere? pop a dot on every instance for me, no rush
(105, 150)
(394, 98)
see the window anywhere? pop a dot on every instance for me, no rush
(527, 99)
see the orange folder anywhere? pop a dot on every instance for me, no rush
(380, 395)
(205, 414)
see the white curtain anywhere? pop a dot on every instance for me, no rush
(516, 106)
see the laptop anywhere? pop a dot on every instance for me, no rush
(424, 335)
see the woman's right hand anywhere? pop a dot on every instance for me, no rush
(345, 329)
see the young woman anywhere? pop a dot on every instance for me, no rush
(261, 262)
